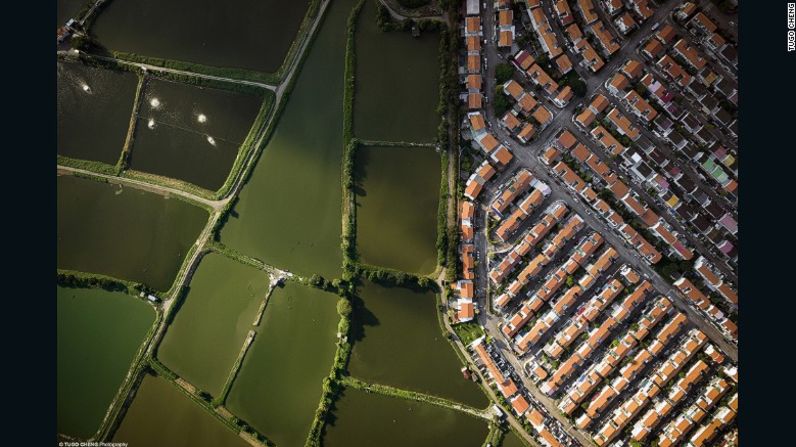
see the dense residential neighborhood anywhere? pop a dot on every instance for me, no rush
(598, 228)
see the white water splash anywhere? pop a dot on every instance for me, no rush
(155, 103)
(151, 123)
(202, 118)
(211, 140)
(86, 88)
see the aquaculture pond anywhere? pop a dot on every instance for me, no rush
(248, 34)
(362, 419)
(397, 82)
(94, 109)
(398, 342)
(397, 200)
(209, 329)
(98, 335)
(289, 213)
(279, 384)
(123, 232)
(192, 133)
(161, 415)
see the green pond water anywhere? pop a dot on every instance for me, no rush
(250, 34)
(210, 326)
(512, 440)
(398, 342)
(162, 416)
(191, 133)
(98, 335)
(279, 385)
(363, 419)
(397, 83)
(94, 107)
(397, 200)
(123, 232)
(289, 213)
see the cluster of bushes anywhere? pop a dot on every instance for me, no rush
(503, 72)
(500, 102)
(77, 280)
(575, 82)
(390, 277)
(87, 165)
(337, 285)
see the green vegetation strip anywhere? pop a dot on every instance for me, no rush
(346, 288)
(75, 279)
(124, 157)
(332, 384)
(411, 395)
(87, 165)
(350, 144)
(382, 143)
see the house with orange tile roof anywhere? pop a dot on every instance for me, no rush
(505, 24)
(607, 141)
(623, 125)
(585, 118)
(591, 59)
(639, 106)
(476, 181)
(625, 23)
(632, 68)
(617, 84)
(563, 64)
(477, 123)
(527, 133)
(487, 142)
(653, 48)
(542, 115)
(563, 97)
(467, 256)
(690, 54)
(513, 89)
(563, 12)
(519, 404)
(472, 26)
(586, 8)
(605, 38)
(523, 60)
(547, 38)
(702, 22)
(501, 156)
(538, 76)
(713, 281)
(674, 70)
(510, 121)
(642, 8)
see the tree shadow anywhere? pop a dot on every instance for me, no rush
(362, 317)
